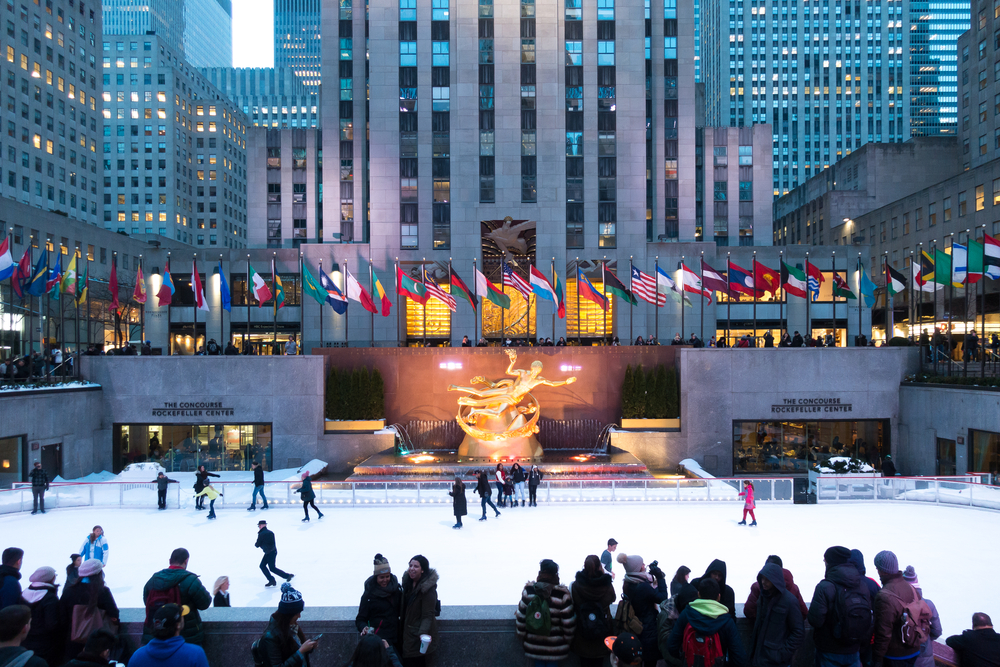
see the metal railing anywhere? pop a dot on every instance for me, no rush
(966, 491)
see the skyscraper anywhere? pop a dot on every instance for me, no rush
(934, 32)
(297, 41)
(200, 30)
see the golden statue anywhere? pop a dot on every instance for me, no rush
(493, 418)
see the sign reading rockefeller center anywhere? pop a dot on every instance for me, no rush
(192, 409)
(811, 405)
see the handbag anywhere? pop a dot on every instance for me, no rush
(85, 620)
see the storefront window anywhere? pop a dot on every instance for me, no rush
(11, 465)
(184, 447)
(985, 452)
(766, 447)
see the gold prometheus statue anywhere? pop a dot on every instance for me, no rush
(494, 411)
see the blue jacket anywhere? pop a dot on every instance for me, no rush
(173, 652)
(97, 549)
(10, 586)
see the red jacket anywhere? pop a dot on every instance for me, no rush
(750, 606)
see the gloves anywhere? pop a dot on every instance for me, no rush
(656, 572)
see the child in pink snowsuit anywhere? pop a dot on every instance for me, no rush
(748, 505)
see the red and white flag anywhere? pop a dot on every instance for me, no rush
(199, 291)
(511, 278)
(434, 291)
(691, 281)
(358, 293)
(644, 287)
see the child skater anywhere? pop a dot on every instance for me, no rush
(211, 493)
(748, 505)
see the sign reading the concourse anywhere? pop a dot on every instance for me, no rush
(193, 408)
(811, 406)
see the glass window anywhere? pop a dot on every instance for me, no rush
(776, 447)
(605, 53)
(408, 54)
(605, 10)
(184, 447)
(440, 57)
(985, 451)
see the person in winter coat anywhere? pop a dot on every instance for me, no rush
(308, 496)
(96, 652)
(380, 603)
(680, 580)
(777, 630)
(200, 480)
(283, 643)
(161, 482)
(95, 546)
(39, 485)
(534, 479)
(748, 505)
(888, 467)
(45, 637)
(926, 658)
(209, 492)
(518, 478)
(593, 593)
(89, 592)
(890, 603)
(458, 503)
(484, 491)
(168, 648)
(978, 647)
(750, 606)
(193, 594)
(265, 542)
(546, 649)
(707, 616)
(10, 576)
(858, 561)
(15, 622)
(73, 569)
(717, 570)
(840, 580)
(258, 486)
(373, 652)
(220, 592)
(499, 476)
(418, 611)
(644, 591)
(667, 618)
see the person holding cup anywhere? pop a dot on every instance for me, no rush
(419, 613)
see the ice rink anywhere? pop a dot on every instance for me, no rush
(954, 550)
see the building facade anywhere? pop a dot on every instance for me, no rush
(201, 31)
(269, 97)
(298, 37)
(934, 31)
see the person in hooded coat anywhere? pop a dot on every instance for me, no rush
(645, 591)
(708, 616)
(750, 606)
(841, 575)
(717, 570)
(308, 496)
(45, 637)
(459, 505)
(777, 630)
(554, 647)
(418, 611)
(593, 593)
(858, 560)
(379, 608)
(926, 658)
(669, 612)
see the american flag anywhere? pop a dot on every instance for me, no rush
(514, 280)
(644, 287)
(434, 291)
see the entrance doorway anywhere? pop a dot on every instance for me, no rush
(945, 457)
(51, 458)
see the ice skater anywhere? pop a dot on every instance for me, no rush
(258, 486)
(458, 502)
(200, 482)
(161, 482)
(748, 504)
(534, 479)
(500, 477)
(484, 491)
(265, 542)
(308, 496)
(95, 546)
(209, 492)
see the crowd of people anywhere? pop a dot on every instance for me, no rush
(510, 485)
(52, 361)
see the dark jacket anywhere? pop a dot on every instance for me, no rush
(750, 606)
(667, 618)
(858, 560)
(220, 599)
(79, 594)
(555, 646)
(645, 602)
(162, 482)
(265, 540)
(888, 607)
(46, 635)
(777, 630)
(976, 648)
(10, 588)
(797, 340)
(379, 608)
(306, 490)
(823, 608)
(418, 614)
(888, 468)
(534, 477)
(201, 480)
(173, 652)
(592, 592)
(193, 594)
(458, 503)
(728, 596)
(39, 479)
(483, 487)
(87, 660)
(276, 653)
(709, 617)
(258, 476)
(517, 474)
(8, 653)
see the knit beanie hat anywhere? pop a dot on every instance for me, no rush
(381, 565)
(885, 561)
(43, 575)
(548, 566)
(909, 574)
(837, 556)
(90, 567)
(291, 600)
(632, 563)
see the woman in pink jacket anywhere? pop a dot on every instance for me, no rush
(748, 505)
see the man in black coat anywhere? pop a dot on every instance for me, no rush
(797, 340)
(888, 467)
(258, 486)
(978, 647)
(842, 579)
(39, 485)
(161, 482)
(265, 541)
(717, 570)
(777, 630)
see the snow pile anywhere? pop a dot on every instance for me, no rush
(40, 386)
(695, 469)
(103, 476)
(139, 472)
(843, 465)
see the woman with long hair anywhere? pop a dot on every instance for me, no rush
(284, 638)
(419, 613)
(484, 491)
(308, 496)
(88, 597)
(500, 477)
(458, 503)
(372, 651)
(95, 546)
(593, 594)
(200, 482)
(220, 592)
(748, 504)
(679, 580)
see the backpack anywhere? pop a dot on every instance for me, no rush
(157, 599)
(537, 618)
(626, 620)
(19, 660)
(592, 621)
(854, 617)
(702, 651)
(915, 623)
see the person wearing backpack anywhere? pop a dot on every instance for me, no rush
(642, 592)
(902, 619)
(717, 570)
(592, 593)
(47, 632)
(178, 586)
(750, 606)
(926, 658)
(705, 635)
(545, 620)
(777, 630)
(840, 595)
(667, 618)
(15, 623)
(87, 599)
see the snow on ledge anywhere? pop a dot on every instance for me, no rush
(14, 388)
(695, 469)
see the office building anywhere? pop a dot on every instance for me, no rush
(934, 31)
(201, 31)
(297, 36)
(269, 97)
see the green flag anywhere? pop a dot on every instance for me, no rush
(312, 286)
(975, 261)
(942, 267)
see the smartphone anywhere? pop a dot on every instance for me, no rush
(318, 637)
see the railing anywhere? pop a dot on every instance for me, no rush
(45, 372)
(939, 490)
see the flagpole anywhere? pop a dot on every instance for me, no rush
(347, 318)
(556, 306)
(302, 309)
(194, 270)
(114, 313)
(656, 311)
(371, 280)
(604, 289)
(982, 310)
(859, 297)
(475, 319)
(62, 311)
(808, 299)
(951, 299)
(246, 295)
(142, 313)
(934, 303)
(222, 321)
(729, 301)
(321, 343)
(965, 304)
(781, 304)
(918, 306)
(400, 303)
(503, 311)
(579, 325)
(702, 314)
(76, 301)
(450, 330)
(888, 278)
(423, 310)
(630, 308)
(86, 285)
(833, 264)
(684, 275)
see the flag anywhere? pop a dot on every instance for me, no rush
(585, 289)
(991, 261)
(358, 293)
(815, 278)
(561, 300)
(927, 270)
(36, 282)
(959, 264)
(54, 278)
(68, 283)
(509, 277)
(644, 286)
(7, 265)
(113, 284)
(617, 287)
(22, 274)
(793, 280)
(712, 280)
(489, 291)
(277, 288)
(83, 284)
(313, 287)
(458, 285)
(334, 296)
(199, 291)
(434, 291)
(666, 284)
(975, 261)
(139, 292)
(742, 281)
(866, 286)
(408, 287)
(919, 283)
(224, 294)
(166, 292)
(690, 281)
(379, 292)
(942, 267)
(765, 279)
(895, 281)
(841, 288)
(257, 286)
(541, 286)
